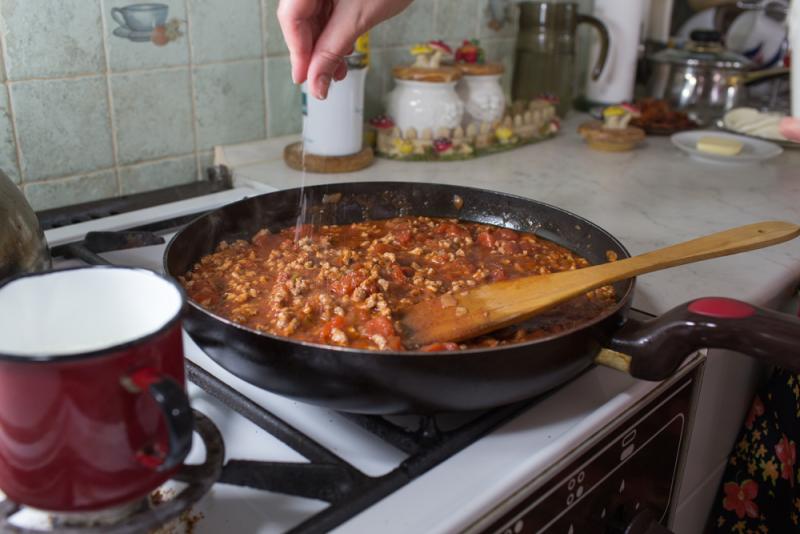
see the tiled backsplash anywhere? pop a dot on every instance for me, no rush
(91, 106)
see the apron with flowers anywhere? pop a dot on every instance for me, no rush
(760, 490)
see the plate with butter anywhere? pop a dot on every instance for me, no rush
(721, 147)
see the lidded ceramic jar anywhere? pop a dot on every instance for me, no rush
(480, 90)
(425, 98)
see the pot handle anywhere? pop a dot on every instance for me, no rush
(656, 348)
(598, 25)
(174, 405)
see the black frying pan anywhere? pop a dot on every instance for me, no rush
(416, 382)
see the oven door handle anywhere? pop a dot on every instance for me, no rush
(653, 350)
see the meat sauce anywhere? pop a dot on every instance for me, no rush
(345, 284)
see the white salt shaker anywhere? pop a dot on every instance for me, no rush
(334, 126)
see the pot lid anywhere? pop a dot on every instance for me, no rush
(703, 49)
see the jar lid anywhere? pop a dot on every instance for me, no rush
(443, 74)
(480, 69)
(704, 50)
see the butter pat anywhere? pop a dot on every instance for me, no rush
(721, 146)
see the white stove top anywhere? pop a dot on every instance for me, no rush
(451, 497)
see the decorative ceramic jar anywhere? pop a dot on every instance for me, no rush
(480, 90)
(425, 98)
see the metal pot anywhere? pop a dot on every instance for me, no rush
(22, 245)
(703, 79)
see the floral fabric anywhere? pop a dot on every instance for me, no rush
(760, 491)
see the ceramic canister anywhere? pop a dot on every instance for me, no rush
(334, 126)
(480, 90)
(425, 98)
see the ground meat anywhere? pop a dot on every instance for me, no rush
(344, 285)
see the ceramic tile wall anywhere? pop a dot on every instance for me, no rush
(93, 103)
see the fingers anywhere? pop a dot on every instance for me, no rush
(295, 18)
(335, 41)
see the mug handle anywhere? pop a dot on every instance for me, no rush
(116, 14)
(175, 409)
(598, 25)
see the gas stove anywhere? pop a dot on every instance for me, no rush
(604, 449)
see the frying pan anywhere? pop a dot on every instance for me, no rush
(376, 382)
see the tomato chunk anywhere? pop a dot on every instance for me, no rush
(381, 326)
(485, 239)
(506, 234)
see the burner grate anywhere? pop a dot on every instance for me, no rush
(198, 477)
(327, 477)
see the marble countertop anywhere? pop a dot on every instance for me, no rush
(648, 198)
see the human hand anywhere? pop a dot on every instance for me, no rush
(319, 33)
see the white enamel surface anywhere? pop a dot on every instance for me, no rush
(753, 150)
(76, 311)
(422, 105)
(483, 98)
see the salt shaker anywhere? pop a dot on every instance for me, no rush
(334, 126)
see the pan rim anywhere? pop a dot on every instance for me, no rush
(622, 301)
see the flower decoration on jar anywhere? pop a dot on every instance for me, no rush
(441, 53)
(504, 135)
(422, 55)
(443, 145)
(403, 146)
(470, 51)
(381, 121)
(613, 134)
(618, 117)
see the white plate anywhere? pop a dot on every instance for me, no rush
(753, 150)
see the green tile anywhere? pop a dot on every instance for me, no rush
(223, 30)
(457, 20)
(127, 51)
(157, 174)
(273, 40)
(152, 114)
(284, 115)
(415, 24)
(8, 147)
(510, 26)
(2, 66)
(72, 190)
(63, 126)
(230, 103)
(50, 39)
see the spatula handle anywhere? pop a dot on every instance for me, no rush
(741, 239)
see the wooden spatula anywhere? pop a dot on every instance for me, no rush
(492, 306)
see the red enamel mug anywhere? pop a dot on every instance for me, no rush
(93, 408)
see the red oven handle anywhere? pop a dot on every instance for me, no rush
(657, 347)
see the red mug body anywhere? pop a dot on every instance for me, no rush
(88, 419)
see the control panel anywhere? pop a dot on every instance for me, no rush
(630, 471)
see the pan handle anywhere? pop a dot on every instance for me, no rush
(657, 347)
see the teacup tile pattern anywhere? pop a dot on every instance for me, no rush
(223, 30)
(229, 103)
(72, 190)
(163, 173)
(509, 28)
(127, 54)
(46, 39)
(63, 127)
(152, 114)
(112, 97)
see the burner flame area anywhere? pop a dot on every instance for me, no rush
(166, 510)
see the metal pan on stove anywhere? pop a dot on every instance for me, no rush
(365, 381)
